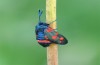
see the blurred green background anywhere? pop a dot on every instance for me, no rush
(78, 20)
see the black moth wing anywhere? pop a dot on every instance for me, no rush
(44, 45)
(65, 41)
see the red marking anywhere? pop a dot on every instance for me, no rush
(54, 37)
(49, 29)
(43, 41)
(61, 38)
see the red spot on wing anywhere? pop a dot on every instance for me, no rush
(54, 37)
(61, 38)
(43, 41)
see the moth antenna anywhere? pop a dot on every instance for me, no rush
(40, 13)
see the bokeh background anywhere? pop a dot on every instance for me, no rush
(77, 20)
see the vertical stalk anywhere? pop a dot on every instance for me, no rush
(52, 50)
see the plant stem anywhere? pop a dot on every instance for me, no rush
(52, 50)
